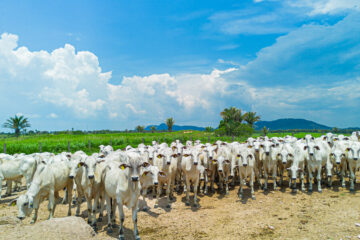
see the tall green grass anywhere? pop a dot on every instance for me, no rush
(59, 143)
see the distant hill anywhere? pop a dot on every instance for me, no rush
(290, 123)
(163, 126)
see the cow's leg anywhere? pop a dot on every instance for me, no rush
(318, 177)
(310, 179)
(212, 180)
(185, 186)
(302, 181)
(240, 192)
(187, 201)
(88, 201)
(342, 177)
(168, 192)
(227, 184)
(101, 212)
(252, 184)
(351, 178)
(33, 220)
(158, 192)
(8, 187)
(94, 207)
(121, 218)
(1, 180)
(196, 184)
(281, 173)
(134, 217)
(52, 203)
(266, 179)
(109, 210)
(274, 176)
(64, 201)
(206, 179)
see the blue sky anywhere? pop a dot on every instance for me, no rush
(116, 64)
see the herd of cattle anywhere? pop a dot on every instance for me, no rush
(120, 177)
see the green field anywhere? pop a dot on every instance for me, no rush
(59, 143)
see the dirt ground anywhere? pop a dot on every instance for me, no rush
(333, 214)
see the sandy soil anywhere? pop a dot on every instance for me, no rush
(332, 214)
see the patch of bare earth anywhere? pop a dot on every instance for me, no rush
(273, 215)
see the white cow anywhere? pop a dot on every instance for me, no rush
(122, 184)
(353, 154)
(268, 155)
(317, 158)
(246, 163)
(48, 180)
(190, 167)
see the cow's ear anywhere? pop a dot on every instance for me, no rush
(13, 202)
(145, 173)
(290, 155)
(123, 166)
(162, 174)
(348, 149)
(305, 147)
(145, 164)
(324, 137)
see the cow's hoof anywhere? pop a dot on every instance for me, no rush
(352, 190)
(240, 196)
(145, 209)
(226, 193)
(89, 221)
(168, 206)
(253, 198)
(69, 214)
(196, 205)
(156, 206)
(121, 237)
(154, 196)
(310, 190)
(187, 204)
(73, 202)
(109, 231)
(100, 219)
(265, 189)
(320, 191)
(95, 228)
(32, 221)
(137, 237)
(77, 214)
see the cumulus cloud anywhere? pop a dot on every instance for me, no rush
(311, 72)
(327, 6)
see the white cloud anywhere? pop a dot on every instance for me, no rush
(327, 6)
(52, 115)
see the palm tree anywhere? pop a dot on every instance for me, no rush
(209, 129)
(152, 128)
(17, 123)
(170, 123)
(232, 114)
(265, 131)
(251, 118)
(140, 128)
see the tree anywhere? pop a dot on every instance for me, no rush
(140, 128)
(170, 123)
(232, 114)
(17, 123)
(265, 131)
(251, 118)
(153, 129)
(232, 125)
(209, 129)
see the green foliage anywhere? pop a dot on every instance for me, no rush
(140, 128)
(232, 125)
(17, 123)
(153, 129)
(265, 131)
(58, 143)
(170, 123)
(209, 129)
(251, 118)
